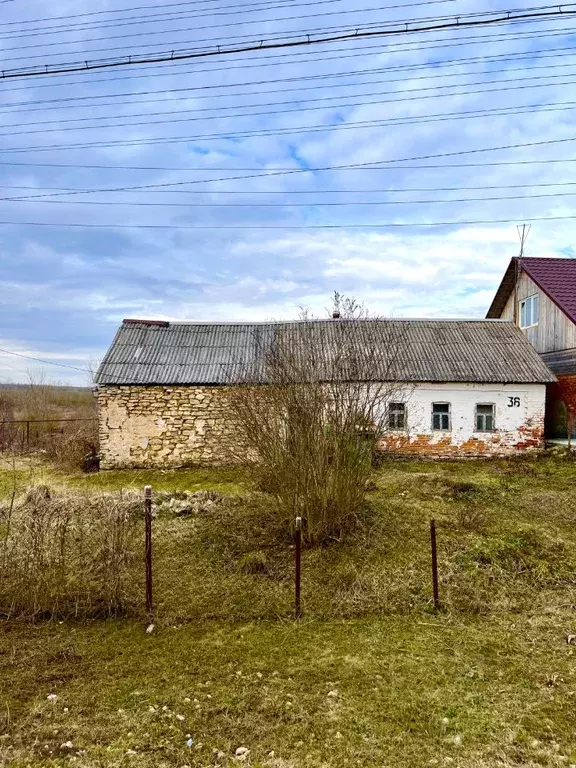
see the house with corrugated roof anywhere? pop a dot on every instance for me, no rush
(539, 296)
(464, 387)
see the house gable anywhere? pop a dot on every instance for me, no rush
(554, 282)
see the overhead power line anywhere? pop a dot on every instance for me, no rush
(65, 103)
(301, 129)
(158, 189)
(303, 107)
(288, 204)
(259, 226)
(320, 56)
(182, 15)
(223, 38)
(302, 40)
(391, 164)
(47, 362)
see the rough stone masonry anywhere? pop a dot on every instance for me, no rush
(177, 426)
(166, 426)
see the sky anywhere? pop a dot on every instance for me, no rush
(246, 215)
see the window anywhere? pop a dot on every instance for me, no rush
(529, 312)
(397, 416)
(485, 418)
(441, 416)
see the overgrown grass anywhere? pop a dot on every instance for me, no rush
(473, 693)
(486, 683)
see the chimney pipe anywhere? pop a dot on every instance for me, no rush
(335, 315)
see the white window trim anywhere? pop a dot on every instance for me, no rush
(441, 402)
(523, 301)
(485, 431)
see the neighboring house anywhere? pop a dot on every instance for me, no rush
(539, 295)
(472, 387)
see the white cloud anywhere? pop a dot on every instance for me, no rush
(65, 289)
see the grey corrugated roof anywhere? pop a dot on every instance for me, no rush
(146, 352)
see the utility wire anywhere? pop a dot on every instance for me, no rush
(248, 38)
(47, 362)
(189, 3)
(259, 227)
(235, 48)
(371, 165)
(287, 204)
(65, 103)
(294, 57)
(180, 16)
(273, 171)
(372, 190)
(326, 127)
(303, 105)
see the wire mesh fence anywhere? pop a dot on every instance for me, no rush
(195, 556)
(27, 435)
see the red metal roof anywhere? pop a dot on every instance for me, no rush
(557, 278)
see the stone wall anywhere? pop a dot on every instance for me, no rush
(172, 426)
(165, 426)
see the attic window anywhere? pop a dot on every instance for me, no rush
(529, 312)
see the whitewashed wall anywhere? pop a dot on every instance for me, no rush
(519, 423)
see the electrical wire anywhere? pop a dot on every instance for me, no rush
(371, 165)
(293, 57)
(65, 29)
(259, 227)
(188, 3)
(253, 37)
(271, 44)
(54, 104)
(47, 362)
(337, 126)
(381, 190)
(313, 204)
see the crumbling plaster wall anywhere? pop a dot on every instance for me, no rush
(160, 426)
(176, 426)
(519, 420)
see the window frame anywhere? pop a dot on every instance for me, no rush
(532, 303)
(392, 412)
(476, 414)
(442, 413)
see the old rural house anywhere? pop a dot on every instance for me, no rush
(539, 296)
(472, 387)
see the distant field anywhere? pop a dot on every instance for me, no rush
(371, 676)
(42, 401)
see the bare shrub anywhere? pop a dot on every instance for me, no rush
(312, 407)
(75, 447)
(69, 555)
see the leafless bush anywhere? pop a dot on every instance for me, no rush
(312, 407)
(74, 447)
(68, 555)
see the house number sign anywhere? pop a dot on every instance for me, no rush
(513, 402)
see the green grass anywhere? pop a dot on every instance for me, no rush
(489, 681)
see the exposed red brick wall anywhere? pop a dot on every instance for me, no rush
(529, 436)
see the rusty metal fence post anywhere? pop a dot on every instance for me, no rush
(148, 519)
(298, 568)
(434, 564)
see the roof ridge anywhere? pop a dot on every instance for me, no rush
(168, 323)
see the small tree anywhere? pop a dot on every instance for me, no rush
(312, 406)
